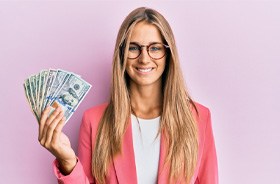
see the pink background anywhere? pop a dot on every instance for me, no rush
(230, 56)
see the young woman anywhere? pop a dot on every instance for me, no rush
(151, 131)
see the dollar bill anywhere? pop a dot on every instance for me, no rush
(47, 87)
(32, 81)
(30, 99)
(37, 88)
(71, 94)
(42, 78)
(56, 88)
(60, 79)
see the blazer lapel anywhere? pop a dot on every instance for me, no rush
(124, 162)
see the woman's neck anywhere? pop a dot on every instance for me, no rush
(146, 101)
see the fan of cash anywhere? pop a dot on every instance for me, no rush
(55, 88)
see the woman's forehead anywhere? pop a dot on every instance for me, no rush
(145, 33)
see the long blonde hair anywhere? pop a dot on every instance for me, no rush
(177, 124)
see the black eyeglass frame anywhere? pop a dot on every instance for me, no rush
(147, 48)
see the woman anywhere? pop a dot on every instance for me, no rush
(151, 131)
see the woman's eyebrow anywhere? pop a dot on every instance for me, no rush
(143, 44)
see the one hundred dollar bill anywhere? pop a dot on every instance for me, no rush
(71, 94)
(32, 82)
(29, 96)
(42, 78)
(37, 87)
(47, 87)
(56, 88)
(61, 78)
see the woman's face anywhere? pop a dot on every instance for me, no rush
(144, 70)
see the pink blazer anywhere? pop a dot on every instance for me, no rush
(123, 169)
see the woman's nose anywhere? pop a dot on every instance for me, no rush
(144, 56)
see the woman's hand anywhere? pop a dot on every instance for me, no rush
(53, 139)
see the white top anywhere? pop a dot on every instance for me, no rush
(146, 148)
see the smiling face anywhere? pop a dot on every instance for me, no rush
(144, 70)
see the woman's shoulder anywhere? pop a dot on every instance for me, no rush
(92, 116)
(97, 108)
(95, 112)
(202, 113)
(201, 109)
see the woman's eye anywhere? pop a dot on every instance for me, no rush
(133, 48)
(154, 48)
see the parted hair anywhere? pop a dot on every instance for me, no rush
(177, 124)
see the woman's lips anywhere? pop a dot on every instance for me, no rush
(144, 70)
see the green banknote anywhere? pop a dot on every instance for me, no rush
(55, 87)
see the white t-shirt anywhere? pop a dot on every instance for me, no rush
(146, 148)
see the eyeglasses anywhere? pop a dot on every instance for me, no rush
(155, 50)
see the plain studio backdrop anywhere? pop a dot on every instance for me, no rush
(229, 53)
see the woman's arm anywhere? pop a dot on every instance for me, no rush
(81, 174)
(208, 169)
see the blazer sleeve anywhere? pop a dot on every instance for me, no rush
(208, 170)
(82, 172)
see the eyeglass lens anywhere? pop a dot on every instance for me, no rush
(155, 50)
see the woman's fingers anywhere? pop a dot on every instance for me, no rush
(43, 119)
(57, 131)
(52, 138)
(47, 124)
(51, 129)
